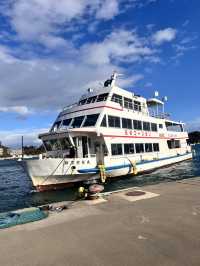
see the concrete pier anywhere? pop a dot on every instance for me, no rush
(159, 230)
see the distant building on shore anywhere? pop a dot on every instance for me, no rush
(16, 153)
(4, 151)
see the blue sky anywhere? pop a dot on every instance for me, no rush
(51, 51)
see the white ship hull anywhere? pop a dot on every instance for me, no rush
(44, 176)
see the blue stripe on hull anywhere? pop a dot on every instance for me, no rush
(121, 166)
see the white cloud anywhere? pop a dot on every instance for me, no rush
(13, 138)
(165, 35)
(21, 110)
(49, 84)
(119, 46)
(108, 9)
(42, 21)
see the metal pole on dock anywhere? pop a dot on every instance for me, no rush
(22, 147)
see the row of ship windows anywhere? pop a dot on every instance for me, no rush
(112, 121)
(123, 101)
(79, 121)
(130, 148)
(127, 102)
(117, 122)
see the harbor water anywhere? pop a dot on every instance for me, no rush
(16, 190)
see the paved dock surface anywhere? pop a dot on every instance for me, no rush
(163, 230)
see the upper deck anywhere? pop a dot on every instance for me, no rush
(111, 103)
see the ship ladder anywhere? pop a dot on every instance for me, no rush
(102, 171)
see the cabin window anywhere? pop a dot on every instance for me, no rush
(128, 103)
(146, 126)
(160, 125)
(127, 123)
(174, 127)
(64, 143)
(117, 98)
(148, 147)
(137, 106)
(47, 145)
(116, 149)
(91, 99)
(156, 147)
(129, 148)
(77, 121)
(104, 122)
(139, 148)
(102, 97)
(137, 124)
(91, 120)
(55, 145)
(82, 102)
(173, 144)
(113, 121)
(56, 125)
(67, 122)
(154, 127)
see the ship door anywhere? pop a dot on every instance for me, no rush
(85, 146)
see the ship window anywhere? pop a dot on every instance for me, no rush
(65, 143)
(148, 147)
(47, 145)
(174, 127)
(116, 149)
(128, 103)
(146, 126)
(77, 121)
(117, 98)
(173, 144)
(126, 123)
(104, 122)
(55, 144)
(154, 127)
(67, 122)
(137, 106)
(156, 147)
(102, 97)
(56, 125)
(82, 102)
(177, 144)
(91, 120)
(113, 121)
(139, 148)
(91, 99)
(160, 125)
(137, 124)
(129, 148)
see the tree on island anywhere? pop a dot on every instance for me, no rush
(194, 137)
(32, 150)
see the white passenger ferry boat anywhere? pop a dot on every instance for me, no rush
(110, 126)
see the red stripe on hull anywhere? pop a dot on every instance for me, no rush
(60, 186)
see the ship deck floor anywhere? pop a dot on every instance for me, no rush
(162, 230)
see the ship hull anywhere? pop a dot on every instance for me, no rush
(58, 180)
